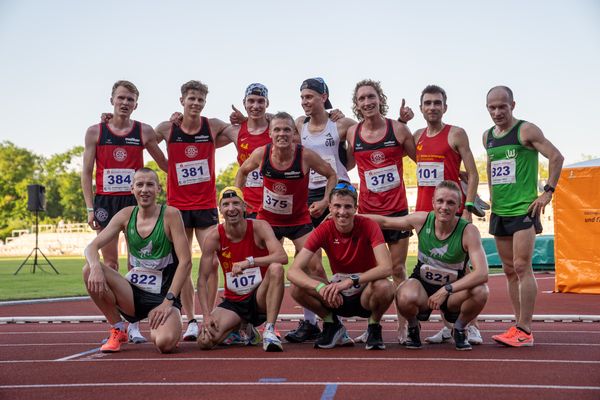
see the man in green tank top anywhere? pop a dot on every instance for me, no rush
(512, 147)
(160, 262)
(446, 243)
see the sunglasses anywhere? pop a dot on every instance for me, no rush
(346, 186)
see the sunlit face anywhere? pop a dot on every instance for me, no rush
(193, 102)
(343, 210)
(145, 188)
(282, 132)
(312, 101)
(256, 106)
(445, 204)
(433, 107)
(124, 102)
(500, 107)
(367, 101)
(232, 209)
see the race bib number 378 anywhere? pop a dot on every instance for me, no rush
(382, 179)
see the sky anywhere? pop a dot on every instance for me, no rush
(59, 60)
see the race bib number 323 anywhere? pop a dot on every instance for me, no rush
(503, 171)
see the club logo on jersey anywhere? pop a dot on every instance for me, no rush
(244, 146)
(191, 151)
(120, 154)
(280, 188)
(243, 157)
(420, 147)
(439, 251)
(329, 142)
(101, 214)
(377, 157)
(226, 253)
(146, 251)
(511, 153)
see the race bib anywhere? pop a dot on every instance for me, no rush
(316, 178)
(382, 179)
(278, 203)
(430, 173)
(149, 280)
(191, 172)
(351, 291)
(254, 179)
(437, 275)
(245, 283)
(117, 180)
(504, 171)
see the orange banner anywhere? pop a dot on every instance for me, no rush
(577, 230)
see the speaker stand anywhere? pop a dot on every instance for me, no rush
(35, 252)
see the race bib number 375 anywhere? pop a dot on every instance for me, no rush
(278, 203)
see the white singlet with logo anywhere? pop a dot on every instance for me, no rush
(244, 283)
(278, 203)
(430, 173)
(149, 280)
(318, 179)
(117, 180)
(382, 179)
(191, 172)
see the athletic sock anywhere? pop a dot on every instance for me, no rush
(328, 318)
(413, 322)
(310, 316)
(372, 321)
(269, 326)
(459, 325)
(120, 326)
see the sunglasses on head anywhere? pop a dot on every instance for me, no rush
(345, 185)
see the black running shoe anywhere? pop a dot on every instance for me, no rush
(374, 339)
(305, 331)
(333, 333)
(413, 341)
(460, 339)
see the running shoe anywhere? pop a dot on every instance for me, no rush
(305, 331)
(134, 334)
(514, 337)
(413, 341)
(192, 331)
(346, 340)
(262, 331)
(253, 336)
(113, 344)
(402, 333)
(460, 339)
(271, 342)
(473, 335)
(362, 338)
(233, 338)
(374, 339)
(333, 332)
(442, 336)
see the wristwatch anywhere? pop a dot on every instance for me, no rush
(355, 278)
(549, 188)
(448, 288)
(170, 296)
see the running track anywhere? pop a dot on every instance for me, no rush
(60, 361)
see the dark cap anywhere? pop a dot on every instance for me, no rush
(257, 89)
(319, 86)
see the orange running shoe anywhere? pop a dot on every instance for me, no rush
(113, 344)
(514, 337)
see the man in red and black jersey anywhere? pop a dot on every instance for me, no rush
(252, 262)
(115, 148)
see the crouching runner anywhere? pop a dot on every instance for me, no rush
(252, 261)
(160, 262)
(361, 264)
(439, 282)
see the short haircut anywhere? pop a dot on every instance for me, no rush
(383, 106)
(147, 170)
(344, 188)
(284, 115)
(127, 85)
(433, 89)
(194, 85)
(451, 185)
(508, 91)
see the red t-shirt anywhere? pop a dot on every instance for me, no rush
(246, 144)
(348, 253)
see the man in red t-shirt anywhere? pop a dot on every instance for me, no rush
(361, 264)
(252, 262)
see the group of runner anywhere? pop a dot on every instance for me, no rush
(292, 174)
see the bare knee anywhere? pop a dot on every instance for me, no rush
(480, 293)
(383, 288)
(406, 297)
(522, 267)
(166, 343)
(275, 272)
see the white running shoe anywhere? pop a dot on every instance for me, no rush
(362, 338)
(403, 334)
(191, 333)
(134, 334)
(473, 335)
(270, 341)
(442, 336)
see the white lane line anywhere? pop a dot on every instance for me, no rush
(83, 353)
(378, 384)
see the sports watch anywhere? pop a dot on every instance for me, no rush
(448, 288)
(170, 296)
(549, 188)
(355, 278)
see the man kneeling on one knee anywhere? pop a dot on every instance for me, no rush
(446, 244)
(252, 261)
(160, 262)
(361, 264)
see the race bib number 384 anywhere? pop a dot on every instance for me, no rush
(117, 180)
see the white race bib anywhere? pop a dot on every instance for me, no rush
(316, 178)
(382, 179)
(504, 171)
(191, 172)
(351, 291)
(244, 283)
(430, 173)
(149, 280)
(278, 203)
(437, 275)
(254, 178)
(117, 180)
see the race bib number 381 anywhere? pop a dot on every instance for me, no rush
(192, 172)
(117, 180)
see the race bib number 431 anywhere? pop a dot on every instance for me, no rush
(191, 172)
(117, 180)
(148, 280)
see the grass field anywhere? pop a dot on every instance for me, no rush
(46, 284)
